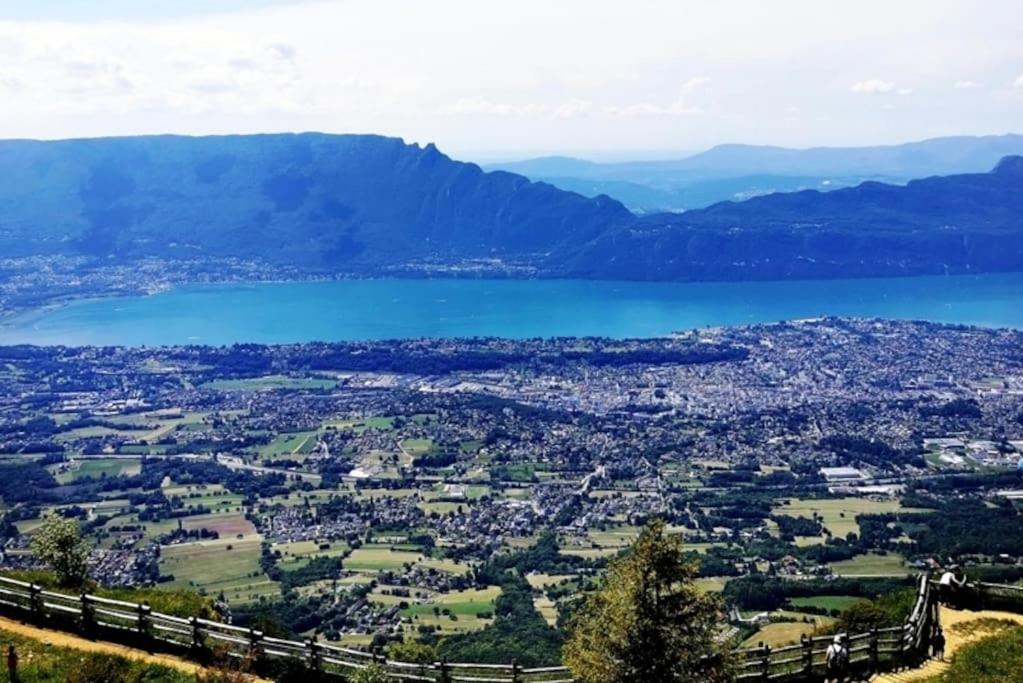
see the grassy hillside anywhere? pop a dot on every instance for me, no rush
(41, 662)
(995, 659)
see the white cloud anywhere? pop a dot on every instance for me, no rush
(213, 80)
(573, 109)
(395, 68)
(10, 80)
(873, 86)
(578, 107)
(966, 85)
(680, 107)
(482, 105)
(1019, 82)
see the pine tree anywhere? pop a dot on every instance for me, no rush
(648, 622)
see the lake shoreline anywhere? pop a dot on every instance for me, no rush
(295, 311)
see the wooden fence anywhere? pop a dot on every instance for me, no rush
(881, 649)
(137, 625)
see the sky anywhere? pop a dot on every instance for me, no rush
(489, 80)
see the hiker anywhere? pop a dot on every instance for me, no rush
(949, 585)
(938, 644)
(836, 661)
(12, 664)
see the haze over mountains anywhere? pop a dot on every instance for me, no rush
(369, 205)
(736, 172)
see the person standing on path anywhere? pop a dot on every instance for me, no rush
(12, 664)
(836, 661)
(938, 644)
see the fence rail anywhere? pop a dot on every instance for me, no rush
(881, 649)
(877, 650)
(196, 637)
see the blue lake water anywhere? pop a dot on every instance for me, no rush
(385, 309)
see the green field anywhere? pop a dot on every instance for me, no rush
(289, 445)
(783, 633)
(372, 558)
(463, 605)
(828, 602)
(269, 383)
(871, 564)
(231, 566)
(96, 468)
(296, 555)
(416, 447)
(839, 514)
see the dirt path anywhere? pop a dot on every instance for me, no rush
(62, 639)
(952, 621)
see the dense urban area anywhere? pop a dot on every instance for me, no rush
(378, 491)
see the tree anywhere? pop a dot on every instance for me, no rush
(372, 673)
(648, 622)
(58, 541)
(412, 652)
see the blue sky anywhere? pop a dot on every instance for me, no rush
(493, 79)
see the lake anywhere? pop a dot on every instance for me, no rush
(385, 309)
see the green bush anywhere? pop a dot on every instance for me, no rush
(374, 673)
(884, 611)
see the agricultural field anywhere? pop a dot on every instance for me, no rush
(828, 602)
(95, 468)
(838, 515)
(289, 445)
(781, 633)
(375, 558)
(871, 564)
(225, 565)
(455, 611)
(297, 554)
(271, 383)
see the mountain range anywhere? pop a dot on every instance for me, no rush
(370, 205)
(736, 172)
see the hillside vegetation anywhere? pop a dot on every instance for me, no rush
(369, 205)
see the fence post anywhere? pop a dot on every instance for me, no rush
(907, 632)
(766, 663)
(807, 643)
(88, 618)
(875, 653)
(445, 674)
(254, 638)
(515, 672)
(143, 621)
(197, 641)
(314, 654)
(35, 599)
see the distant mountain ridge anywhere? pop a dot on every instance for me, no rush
(325, 202)
(944, 224)
(736, 171)
(370, 205)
